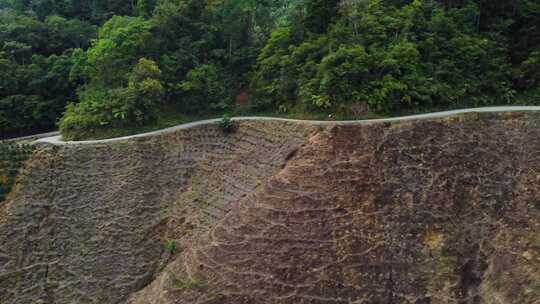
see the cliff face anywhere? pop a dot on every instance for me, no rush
(434, 211)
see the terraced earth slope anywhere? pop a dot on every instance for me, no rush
(434, 211)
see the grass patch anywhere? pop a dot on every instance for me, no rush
(226, 124)
(170, 245)
(194, 283)
(198, 284)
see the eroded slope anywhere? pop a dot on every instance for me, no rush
(443, 211)
(433, 211)
(87, 224)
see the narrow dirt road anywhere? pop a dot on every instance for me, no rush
(57, 140)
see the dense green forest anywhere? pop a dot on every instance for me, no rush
(90, 65)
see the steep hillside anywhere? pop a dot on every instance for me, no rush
(88, 224)
(432, 211)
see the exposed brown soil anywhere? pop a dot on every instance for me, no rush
(434, 211)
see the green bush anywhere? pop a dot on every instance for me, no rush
(529, 72)
(226, 124)
(170, 245)
(275, 80)
(205, 89)
(120, 107)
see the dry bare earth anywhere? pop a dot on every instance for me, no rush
(435, 211)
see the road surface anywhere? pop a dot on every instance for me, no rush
(57, 140)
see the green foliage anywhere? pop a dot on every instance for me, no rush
(121, 42)
(12, 158)
(68, 33)
(170, 245)
(341, 77)
(226, 124)
(101, 107)
(35, 63)
(393, 57)
(17, 110)
(20, 34)
(142, 95)
(274, 82)
(529, 72)
(205, 89)
(32, 95)
(194, 283)
(143, 8)
(292, 56)
(320, 14)
(199, 284)
(94, 11)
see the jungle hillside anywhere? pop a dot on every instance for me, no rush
(89, 67)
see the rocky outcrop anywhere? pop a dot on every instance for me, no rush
(433, 211)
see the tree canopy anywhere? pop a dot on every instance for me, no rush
(97, 64)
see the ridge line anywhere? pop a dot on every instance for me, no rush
(57, 140)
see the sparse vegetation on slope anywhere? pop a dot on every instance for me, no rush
(104, 211)
(416, 212)
(441, 210)
(12, 159)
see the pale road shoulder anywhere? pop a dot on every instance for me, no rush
(57, 140)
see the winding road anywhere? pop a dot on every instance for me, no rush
(57, 139)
